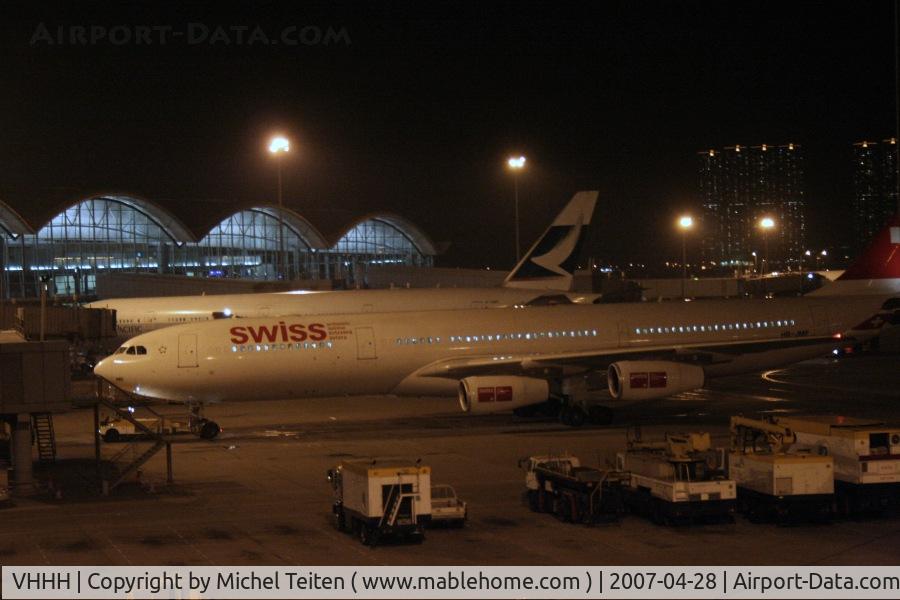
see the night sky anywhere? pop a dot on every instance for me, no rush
(414, 107)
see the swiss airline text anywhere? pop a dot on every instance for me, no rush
(281, 332)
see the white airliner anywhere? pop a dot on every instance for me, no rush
(499, 359)
(544, 275)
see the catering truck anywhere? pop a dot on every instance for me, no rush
(375, 499)
(866, 457)
(777, 478)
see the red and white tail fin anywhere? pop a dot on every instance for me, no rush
(877, 271)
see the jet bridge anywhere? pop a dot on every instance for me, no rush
(34, 385)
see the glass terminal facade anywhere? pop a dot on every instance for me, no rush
(121, 234)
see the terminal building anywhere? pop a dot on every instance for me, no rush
(123, 233)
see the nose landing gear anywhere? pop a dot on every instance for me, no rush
(201, 426)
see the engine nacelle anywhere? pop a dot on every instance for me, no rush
(648, 379)
(480, 395)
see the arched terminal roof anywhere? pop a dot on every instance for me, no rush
(169, 223)
(301, 226)
(12, 222)
(174, 227)
(409, 230)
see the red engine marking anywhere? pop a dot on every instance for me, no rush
(659, 379)
(486, 394)
(639, 380)
(504, 394)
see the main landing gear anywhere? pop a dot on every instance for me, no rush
(570, 413)
(575, 409)
(202, 426)
(576, 415)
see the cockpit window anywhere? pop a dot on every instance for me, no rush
(141, 349)
(131, 350)
(120, 350)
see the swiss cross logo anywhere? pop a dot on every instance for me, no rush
(873, 323)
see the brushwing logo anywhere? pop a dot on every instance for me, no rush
(556, 254)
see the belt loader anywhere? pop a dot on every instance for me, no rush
(777, 478)
(866, 459)
(577, 494)
(676, 480)
(375, 499)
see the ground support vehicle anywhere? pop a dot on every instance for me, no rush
(778, 479)
(866, 459)
(678, 480)
(114, 429)
(447, 508)
(577, 494)
(378, 499)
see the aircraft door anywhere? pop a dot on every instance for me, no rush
(820, 321)
(365, 343)
(623, 334)
(187, 350)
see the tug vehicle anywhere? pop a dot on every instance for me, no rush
(114, 429)
(680, 479)
(574, 493)
(377, 499)
(776, 477)
(447, 508)
(866, 459)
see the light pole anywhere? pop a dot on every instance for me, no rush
(278, 146)
(516, 163)
(766, 223)
(684, 223)
(755, 265)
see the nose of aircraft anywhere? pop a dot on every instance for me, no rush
(103, 369)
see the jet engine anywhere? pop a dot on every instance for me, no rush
(648, 379)
(481, 395)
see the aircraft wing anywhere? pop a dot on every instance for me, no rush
(572, 363)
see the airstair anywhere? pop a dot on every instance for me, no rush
(44, 436)
(137, 450)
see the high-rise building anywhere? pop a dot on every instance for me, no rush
(875, 180)
(739, 186)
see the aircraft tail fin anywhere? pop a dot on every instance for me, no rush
(550, 263)
(876, 271)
